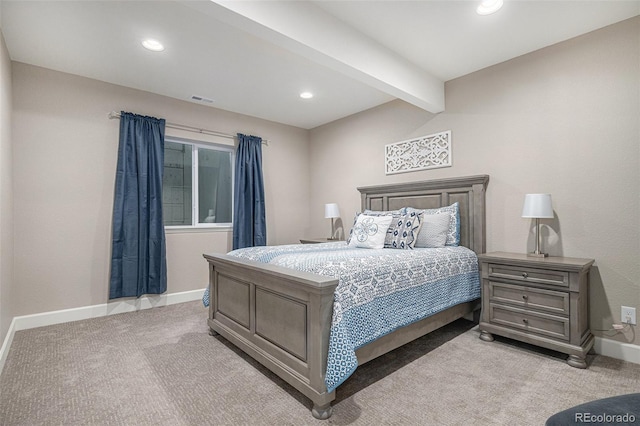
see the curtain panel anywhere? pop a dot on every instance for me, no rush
(249, 223)
(138, 261)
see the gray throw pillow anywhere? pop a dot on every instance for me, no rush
(434, 229)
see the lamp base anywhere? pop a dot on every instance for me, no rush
(538, 254)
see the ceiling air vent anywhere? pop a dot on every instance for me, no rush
(201, 99)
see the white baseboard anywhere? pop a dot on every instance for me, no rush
(4, 351)
(614, 349)
(26, 322)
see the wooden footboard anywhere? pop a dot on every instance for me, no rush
(280, 317)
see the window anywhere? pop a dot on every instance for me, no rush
(197, 185)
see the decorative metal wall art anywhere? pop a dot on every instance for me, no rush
(425, 152)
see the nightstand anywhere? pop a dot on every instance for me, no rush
(541, 301)
(316, 240)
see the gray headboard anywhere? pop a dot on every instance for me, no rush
(429, 194)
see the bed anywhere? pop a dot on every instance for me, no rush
(282, 317)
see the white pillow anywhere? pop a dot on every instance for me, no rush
(434, 230)
(370, 231)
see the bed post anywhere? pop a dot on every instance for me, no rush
(479, 217)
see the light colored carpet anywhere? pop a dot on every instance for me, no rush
(161, 367)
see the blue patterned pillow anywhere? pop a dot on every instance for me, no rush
(355, 220)
(453, 235)
(403, 230)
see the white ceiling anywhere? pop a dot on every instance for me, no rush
(255, 57)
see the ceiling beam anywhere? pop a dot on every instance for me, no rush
(310, 32)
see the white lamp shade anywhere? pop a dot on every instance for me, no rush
(537, 206)
(331, 210)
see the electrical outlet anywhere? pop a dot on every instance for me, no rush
(628, 315)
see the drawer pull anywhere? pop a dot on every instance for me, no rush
(525, 297)
(525, 275)
(524, 320)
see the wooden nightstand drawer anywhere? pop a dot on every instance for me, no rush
(530, 298)
(529, 275)
(531, 322)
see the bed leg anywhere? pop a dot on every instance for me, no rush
(322, 412)
(212, 332)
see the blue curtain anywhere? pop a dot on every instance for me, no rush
(138, 256)
(249, 224)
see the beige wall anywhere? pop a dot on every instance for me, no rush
(65, 152)
(563, 120)
(6, 192)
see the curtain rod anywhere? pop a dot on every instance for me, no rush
(114, 114)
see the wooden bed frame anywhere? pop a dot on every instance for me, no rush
(281, 317)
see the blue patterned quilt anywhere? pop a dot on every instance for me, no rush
(378, 291)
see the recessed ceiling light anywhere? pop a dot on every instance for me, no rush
(153, 45)
(306, 95)
(487, 7)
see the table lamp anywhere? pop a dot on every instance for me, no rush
(538, 206)
(331, 211)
